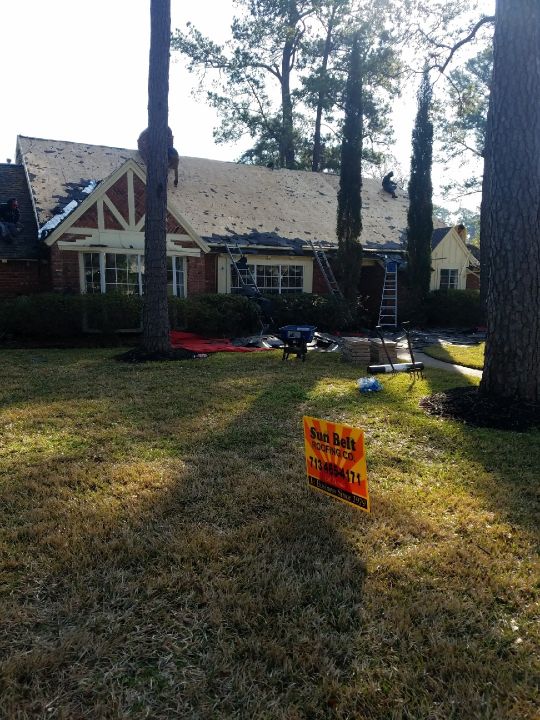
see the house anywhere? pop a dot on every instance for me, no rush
(455, 265)
(84, 211)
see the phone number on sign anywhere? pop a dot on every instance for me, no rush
(332, 469)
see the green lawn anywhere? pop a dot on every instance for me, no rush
(162, 556)
(468, 355)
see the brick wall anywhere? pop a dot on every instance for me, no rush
(202, 274)
(319, 283)
(473, 282)
(64, 270)
(22, 277)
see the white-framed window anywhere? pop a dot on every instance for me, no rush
(124, 273)
(270, 279)
(176, 276)
(449, 279)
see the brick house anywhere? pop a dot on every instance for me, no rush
(83, 216)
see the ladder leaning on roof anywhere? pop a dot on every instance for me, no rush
(244, 274)
(388, 311)
(326, 269)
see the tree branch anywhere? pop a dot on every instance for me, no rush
(482, 21)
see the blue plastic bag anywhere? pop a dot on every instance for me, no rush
(369, 384)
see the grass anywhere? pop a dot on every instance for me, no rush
(162, 556)
(468, 355)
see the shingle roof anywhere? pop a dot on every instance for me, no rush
(222, 200)
(438, 236)
(13, 185)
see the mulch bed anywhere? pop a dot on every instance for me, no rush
(467, 405)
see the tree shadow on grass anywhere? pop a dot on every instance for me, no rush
(221, 587)
(205, 588)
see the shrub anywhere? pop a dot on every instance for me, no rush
(326, 312)
(41, 316)
(111, 312)
(454, 308)
(56, 316)
(221, 315)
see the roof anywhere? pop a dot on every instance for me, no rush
(223, 201)
(438, 236)
(475, 251)
(13, 185)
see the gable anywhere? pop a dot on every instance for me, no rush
(118, 205)
(451, 251)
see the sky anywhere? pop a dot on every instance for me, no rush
(78, 71)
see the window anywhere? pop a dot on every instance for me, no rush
(270, 279)
(176, 276)
(117, 272)
(123, 274)
(92, 272)
(449, 279)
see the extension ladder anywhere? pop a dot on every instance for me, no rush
(326, 269)
(388, 310)
(244, 274)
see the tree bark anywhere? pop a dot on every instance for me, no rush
(287, 153)
(349, 211)
(511, 196)
(317, 146)
(155, 305)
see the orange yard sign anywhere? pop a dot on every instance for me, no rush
(336, 461)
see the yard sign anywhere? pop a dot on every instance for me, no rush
(336, 461)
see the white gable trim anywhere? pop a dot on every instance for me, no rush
(131, 168)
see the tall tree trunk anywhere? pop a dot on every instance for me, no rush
(510, 206)
(287, 131)
(420, 212)
(155, 306)
(317, 145)
(349, 213)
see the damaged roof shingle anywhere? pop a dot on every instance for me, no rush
(222, 199)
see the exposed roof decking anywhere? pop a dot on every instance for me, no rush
(222, 200)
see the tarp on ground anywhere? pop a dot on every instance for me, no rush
(198, 344)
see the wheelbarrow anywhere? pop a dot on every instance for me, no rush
(296, 339)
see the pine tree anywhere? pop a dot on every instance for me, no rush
(155, 304)
(420, 214)
(349, 213)
(510, 222)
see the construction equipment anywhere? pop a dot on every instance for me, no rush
(415, 368)
(243, 273)
(388, 309)
(248, 287)
(326, 269)
(296, 338)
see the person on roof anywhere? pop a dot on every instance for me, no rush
(173, 158)
(9, 219)
(389, 185)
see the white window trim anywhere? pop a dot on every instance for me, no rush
(450, 270)
(112, 251)
(182, 260)
(224, 274)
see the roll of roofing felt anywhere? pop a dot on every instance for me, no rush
(399, 367)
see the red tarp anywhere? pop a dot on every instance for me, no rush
(198, 344)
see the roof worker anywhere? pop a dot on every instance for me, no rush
(9, 220)
(173, 158)
(389, 185)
